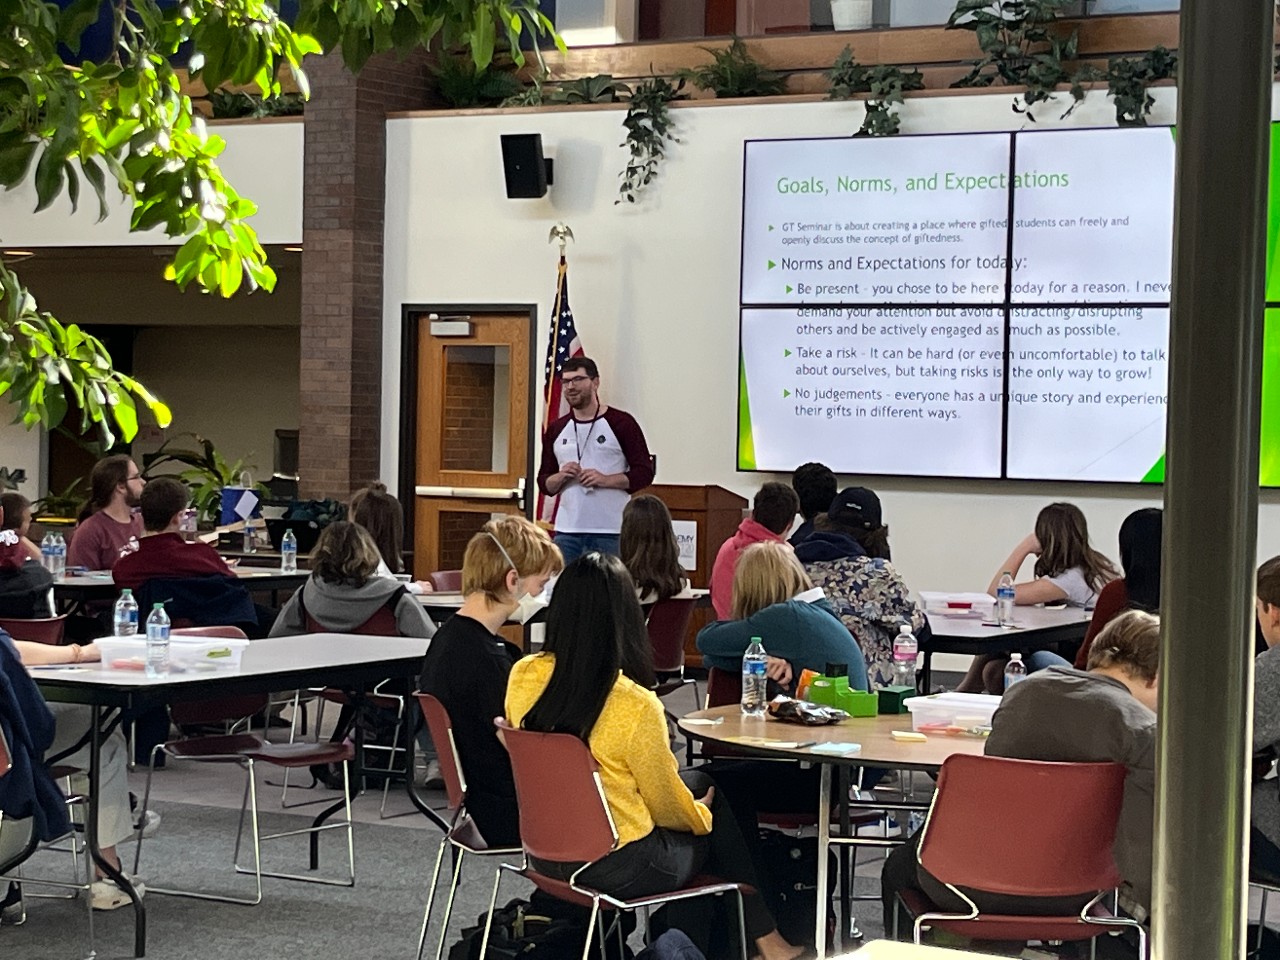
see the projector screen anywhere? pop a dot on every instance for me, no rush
(976, 305)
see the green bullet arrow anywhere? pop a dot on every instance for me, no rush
(786, 352)
(789, 288)
(772, 264)
(771, 228)
(786, 393)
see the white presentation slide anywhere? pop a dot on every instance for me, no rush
(873, 390)
(902, 220)
(1087, 392)
(1093, 216)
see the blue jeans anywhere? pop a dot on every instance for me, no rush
(1045, 658)
(574, 545)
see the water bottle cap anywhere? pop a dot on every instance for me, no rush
(158, 606)
(126, 592)
(1015, 657)
(905, 628)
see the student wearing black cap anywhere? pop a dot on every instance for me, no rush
(847, 555)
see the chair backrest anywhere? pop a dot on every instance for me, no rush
(222, 709)
(723, 687)
(383, 623)
(446, 581)
(1024, 827)
(564, 816)
(668, 625)
(48, 630)
(198, 601)
(441, 729)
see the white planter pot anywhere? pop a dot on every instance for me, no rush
(851, 14)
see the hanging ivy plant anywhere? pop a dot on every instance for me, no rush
(1128, 79)
(884, 82)
(1023, 45)
(648, 126)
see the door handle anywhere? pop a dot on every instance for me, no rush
(473, 493)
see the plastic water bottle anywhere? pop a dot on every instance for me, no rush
(125, 617)
(46, 552)
(905, 649)
(59, 555)
(754, 681)
(158, 642)
(250, 546)
(1004, 600)
(187, 525)
(288, 553)
(1015, 671)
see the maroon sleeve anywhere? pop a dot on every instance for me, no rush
(634, 448)
(549, 464)
(86, 548)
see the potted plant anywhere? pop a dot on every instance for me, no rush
(851, 14)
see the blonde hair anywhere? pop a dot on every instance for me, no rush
(1131, 642)
(529, 549)
(767, 573)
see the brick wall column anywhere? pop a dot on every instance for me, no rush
(344, 188)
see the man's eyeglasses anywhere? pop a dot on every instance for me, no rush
(136, 476)
(573, 381)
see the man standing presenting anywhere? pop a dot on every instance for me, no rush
(593, 459)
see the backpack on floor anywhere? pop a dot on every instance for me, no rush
(789, 877)
(545, 929)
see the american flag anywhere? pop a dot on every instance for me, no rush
(562, 345)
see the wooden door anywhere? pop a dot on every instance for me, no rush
(472, 439)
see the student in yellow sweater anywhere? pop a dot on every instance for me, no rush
(665, 835)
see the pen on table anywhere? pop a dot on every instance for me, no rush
(57, 666)
(807, 743)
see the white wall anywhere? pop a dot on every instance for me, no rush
(654, 289)
(262, 160)
(22, 449)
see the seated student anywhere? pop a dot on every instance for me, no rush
(1139, 589)
(25, 586)
(1067, 570)
(666, 836)
(772, 513)
(468, 662)
(649, 550)
(344, 591)
(848, 556)
(815, 487)
(775, 600)
(1264, 829)
(210, 593)
(381, 514)
(15, 514)
(1064, 715)
(68, 723)
(108, 528)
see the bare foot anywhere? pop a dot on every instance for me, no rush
(773, 947)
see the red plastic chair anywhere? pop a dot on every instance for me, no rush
(1075, 808)
(668, 624)
(48, 630)
(246, 750)
(446, 581)
(564, 818)
(462, 835)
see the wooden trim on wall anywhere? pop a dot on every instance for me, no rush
(914, 46)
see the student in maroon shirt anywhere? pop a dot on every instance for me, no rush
(162, 553)
(108, 527)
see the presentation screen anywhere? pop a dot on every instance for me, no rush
(976, 305)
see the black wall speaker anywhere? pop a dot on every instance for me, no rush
(526, 170)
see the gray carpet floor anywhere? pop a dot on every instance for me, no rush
(379, 917)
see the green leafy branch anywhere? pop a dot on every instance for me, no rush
(734, 72)
(648, 126)
(885, 83)
(1128, 79)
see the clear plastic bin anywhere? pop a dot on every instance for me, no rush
(952, 713)
(202, 653)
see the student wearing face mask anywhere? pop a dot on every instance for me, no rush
(505, 568)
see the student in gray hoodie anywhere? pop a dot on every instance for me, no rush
(346, 595)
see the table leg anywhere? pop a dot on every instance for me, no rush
(926, 674)
(848, 861)
(91, 836)
(824, 844)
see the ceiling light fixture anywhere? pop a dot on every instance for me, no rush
(293, 249)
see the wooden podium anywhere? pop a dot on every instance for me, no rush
(717, 513)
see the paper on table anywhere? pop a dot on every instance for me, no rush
(701, 721)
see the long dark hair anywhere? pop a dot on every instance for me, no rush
(381, 514)
(1141, 535)
(594, 628)
(1064, 544)
(649, 549)
(107, 474)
